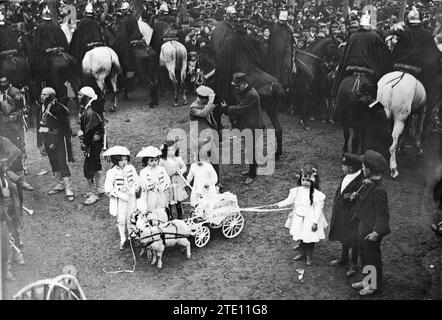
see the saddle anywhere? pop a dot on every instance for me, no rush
(169, 39)
(413, 70)
(54, 50)
(8, 53)
(359, 69)
(138, 43)
(92, 45)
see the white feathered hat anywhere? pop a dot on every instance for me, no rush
(116, 151)
(150, 151)
(164, 7)
(125, 5)
(413, 16)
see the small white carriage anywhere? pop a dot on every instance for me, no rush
(215, 211)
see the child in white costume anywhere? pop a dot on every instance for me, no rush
(121, 184)
(205, 180)
(175, 168)
(154, 181)
(306, 222)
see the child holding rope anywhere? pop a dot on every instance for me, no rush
(121, 185)
(175, 168)
(306, 221)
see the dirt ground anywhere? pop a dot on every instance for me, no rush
(258, 264)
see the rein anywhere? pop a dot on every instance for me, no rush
(311, 55)
(399, 78)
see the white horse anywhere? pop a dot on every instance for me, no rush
(159, 237)
(173, 56)
(401, 94)
(99, 63)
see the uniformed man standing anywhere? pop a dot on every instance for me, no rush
(53, 134)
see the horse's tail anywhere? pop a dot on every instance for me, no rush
(116, 67)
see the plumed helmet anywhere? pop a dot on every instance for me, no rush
(150, 152)
(46, 14)
(231, 10)
(49, 91)
(125, 6)
(283, 16)
(163, 7)
(89, 8)
(365, 21)
(116, 151)
(413, 16)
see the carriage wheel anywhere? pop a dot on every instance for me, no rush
(202, 236)
(233, 225)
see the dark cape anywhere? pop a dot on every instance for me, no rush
(88, 31)
(280, 54)
(127, 32)
(367, 50)
(8, 39)
(47, 35)
(239, 53)
(222, 31)
(416, 47)
(160, 27)
(91, 122)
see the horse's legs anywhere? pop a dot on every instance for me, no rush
(398, 128)
(272, 112)
(113, 80)
(346, 131)
(172, 77)
(183, 81)
(420, 130)
(154, 257)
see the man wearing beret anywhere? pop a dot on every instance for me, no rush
(341, 227)
(370, 212)
(246, 114)
(201, 116)
(375, 127)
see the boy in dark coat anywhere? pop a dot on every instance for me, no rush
(341, 227)
(371, 214)
(375, 127)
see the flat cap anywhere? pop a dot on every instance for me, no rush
(204, 91)
(374, 161)
(352, 160)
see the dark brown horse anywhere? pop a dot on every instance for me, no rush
(312, 80)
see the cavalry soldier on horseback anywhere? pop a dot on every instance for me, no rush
(8, 38)
(49, 39)
(367, 58)
(12, 123)
(87, 35)
(223, 29)
(416, 53)
(128, 35)
(54, 135)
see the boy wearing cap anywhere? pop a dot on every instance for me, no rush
(375, 127)
(341, 227)
(201, 116)
(370, 212)
(92, 141)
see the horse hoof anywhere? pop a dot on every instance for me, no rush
(112, 109)
(185, 103)
(159, 266)
(394, 174)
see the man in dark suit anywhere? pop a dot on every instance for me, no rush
(375, 127)
(341, 227)
(371, 213)
(246, 114)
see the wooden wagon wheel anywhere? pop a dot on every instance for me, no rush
(233, 225)
(202, 236)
